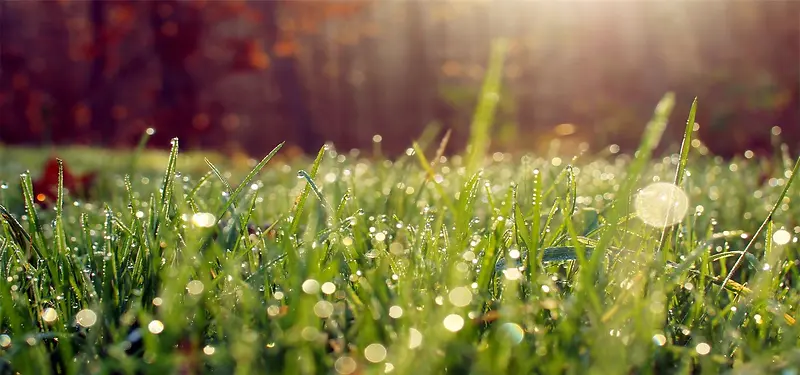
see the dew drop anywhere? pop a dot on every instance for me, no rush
(49, 315)
(5, 341)
(86, 318)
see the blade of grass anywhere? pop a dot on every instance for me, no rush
(166, 188)
(652, 136)
(680, 172)
(767, 220)
(480, 129)
(246, 182)
(301, 201)
(423, 161)
(217, 173)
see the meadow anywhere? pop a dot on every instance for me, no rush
(676, 262)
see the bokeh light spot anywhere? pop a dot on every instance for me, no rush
(203, 219)
(375, 353)
(195, 287)
(414, 338)
(311, 286)
(86, 318)
(155, 327)
(49, 315)
(5, 341)
(661, 204)
(323, 309)
(460, 296)
(345, 365)
(453, 322)
(512, 332)
(703, 348)
(782, 237)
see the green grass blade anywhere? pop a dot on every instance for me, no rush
(680, 172)
(246, 182)
(764, 224)
(166, 188)
(480, 129)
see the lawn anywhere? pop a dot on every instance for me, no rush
(343, 264)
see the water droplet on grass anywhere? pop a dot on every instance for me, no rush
(49, 315)
(86, 318)
(5, 341)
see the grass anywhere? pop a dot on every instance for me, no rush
(356, 266)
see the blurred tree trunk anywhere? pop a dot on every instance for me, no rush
(102, 124)
(56, 109)
(287, 77)
(176, 32)
(14, 127)
(420, 86)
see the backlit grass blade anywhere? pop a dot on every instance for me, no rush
(536, 222)
(137, 153)
(767, 220)
(301, 201)
(166, 188)
(680, 172)
(652, 136)
(480, 129)
(222, 179)
(246, 181)
(431, 175)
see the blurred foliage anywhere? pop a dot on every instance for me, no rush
(238, 75)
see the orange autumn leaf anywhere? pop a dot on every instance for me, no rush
(45, 188)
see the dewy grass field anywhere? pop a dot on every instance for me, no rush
(421, 265)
